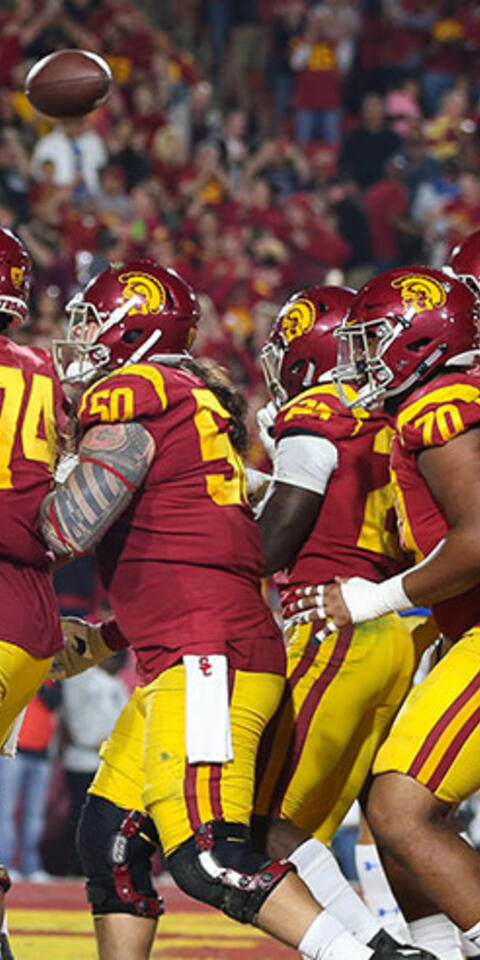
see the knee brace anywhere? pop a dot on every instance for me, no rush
(115, 847)
(219, 866)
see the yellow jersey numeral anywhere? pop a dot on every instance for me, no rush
(218, 446)
(447, 418)
(112, 406)
(373, 534)
(38, 412)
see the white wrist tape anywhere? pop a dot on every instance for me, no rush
(367, 601)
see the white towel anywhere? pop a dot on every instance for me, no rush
(208, 733)
(9, 746)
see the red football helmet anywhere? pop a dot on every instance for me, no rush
(15, 278)
(129, 312)
(465, 262)
(402, 325)
(301, 347)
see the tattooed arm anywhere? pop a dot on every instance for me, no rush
(113, 462)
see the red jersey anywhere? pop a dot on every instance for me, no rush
(431, 417)
(30, 415)
(182, 565)
(355, 531)
(318, 84)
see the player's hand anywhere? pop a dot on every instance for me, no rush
(320, 602)
(257, 485)
(266, 419)
(335, 606)
(83, 648)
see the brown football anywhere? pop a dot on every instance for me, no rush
(69, 83)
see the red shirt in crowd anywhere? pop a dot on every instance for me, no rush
(317, 85)
(385, 201)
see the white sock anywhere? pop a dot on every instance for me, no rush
(326, 939)
(377, 892)
(320, 872)
(439, 935)
(4, 926)
(472, 937)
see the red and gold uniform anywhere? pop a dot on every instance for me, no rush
(342, 693)
(30, 414)
(436, 737)
(182, 570)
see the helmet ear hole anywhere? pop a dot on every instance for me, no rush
(131, 336)
(418, 344)
(297, 367)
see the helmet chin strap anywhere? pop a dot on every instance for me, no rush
(419, 371)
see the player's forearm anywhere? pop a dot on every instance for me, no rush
(113, 462)
(76, 516)
(450, 571)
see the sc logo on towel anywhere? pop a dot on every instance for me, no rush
(205, 666)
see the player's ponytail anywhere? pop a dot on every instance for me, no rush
(231, 397)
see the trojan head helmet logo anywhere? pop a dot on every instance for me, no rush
(297, 320)
(17, 275)
(147, 289)
(420, 293)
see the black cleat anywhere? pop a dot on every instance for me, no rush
(386, 948)
(5, 949)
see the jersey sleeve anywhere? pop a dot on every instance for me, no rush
(305, 461)
(135, 392)
(318, 412)
(440, 414)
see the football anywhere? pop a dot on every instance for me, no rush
(69, 83)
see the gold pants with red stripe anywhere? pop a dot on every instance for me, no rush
(21, 675)
(436, 736)
(144, 764)
(340, 699)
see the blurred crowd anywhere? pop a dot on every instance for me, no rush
(254, 145)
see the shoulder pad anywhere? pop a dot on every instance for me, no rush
(319, 410)
(131, 393)
(440, 411)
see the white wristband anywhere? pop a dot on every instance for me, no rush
(367, 601)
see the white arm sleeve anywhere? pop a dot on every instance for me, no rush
(305, 461)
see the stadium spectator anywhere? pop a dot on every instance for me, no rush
(91, 703)
(387, 205)
(24, 785)
(317, 94)
(287, 26)
(366, 149)
(77, 154)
